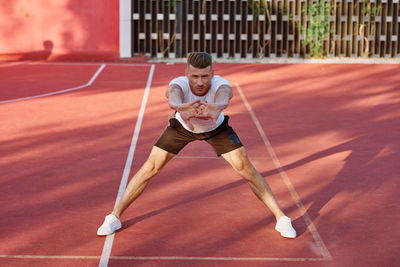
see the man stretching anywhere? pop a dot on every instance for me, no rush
(198, 99)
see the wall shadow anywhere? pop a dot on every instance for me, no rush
(39, 55)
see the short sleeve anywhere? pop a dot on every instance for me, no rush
(218, 81)
(182, 82)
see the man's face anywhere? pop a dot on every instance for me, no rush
(199, 79)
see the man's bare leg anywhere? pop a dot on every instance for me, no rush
(242, 165)
(154, 163)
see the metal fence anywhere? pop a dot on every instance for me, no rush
(267, 29)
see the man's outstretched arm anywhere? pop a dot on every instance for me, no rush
(175, 96)
(175, 100)
(222, 98)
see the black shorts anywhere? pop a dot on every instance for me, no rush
(223, 139)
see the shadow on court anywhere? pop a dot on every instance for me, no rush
(334, 129)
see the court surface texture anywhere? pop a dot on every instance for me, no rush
(326, 137)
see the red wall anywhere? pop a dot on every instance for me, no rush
(50, 28)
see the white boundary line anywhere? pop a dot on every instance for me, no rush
(62, 257)
(12, 64)
(61, 91)
(127, 64)
(212, 157)
(292, 190)
(48, 257)
(217, 258)
(105, 255)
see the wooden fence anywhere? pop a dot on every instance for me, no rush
(267, 29)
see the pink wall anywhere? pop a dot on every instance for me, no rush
(59, 26)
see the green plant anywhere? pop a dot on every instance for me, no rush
(369, 9)
(171, 5)
(318, 27)
(260, 8)
(256, 8)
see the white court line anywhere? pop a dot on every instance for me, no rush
(292, 190)
(217, 258)
(62, 257)
(11, 64)
(61, 91)
(49, 257)
(212, 157)
(90, 64)
(105, 255)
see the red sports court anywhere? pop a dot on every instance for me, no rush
(324, 136)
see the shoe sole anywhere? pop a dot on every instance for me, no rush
(291, 237)
(116, 230)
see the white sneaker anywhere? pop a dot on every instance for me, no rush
(110, 225)
(284, 226)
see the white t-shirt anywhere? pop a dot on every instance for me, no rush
(200, 126)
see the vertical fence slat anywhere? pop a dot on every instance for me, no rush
(297, 20)
(214, 20)
(353, 30)
(219, 26)
(243, 33)
(396, 34)
(332, 27)
(185, 26)
(338, 27)
(389, 51)
(385, 37)
(172, 25)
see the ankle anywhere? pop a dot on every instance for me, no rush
(278, 216)
(116, 214)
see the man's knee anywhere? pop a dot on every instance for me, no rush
(240, 161)
(151, 168)
(157, 159)
(245, 166)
